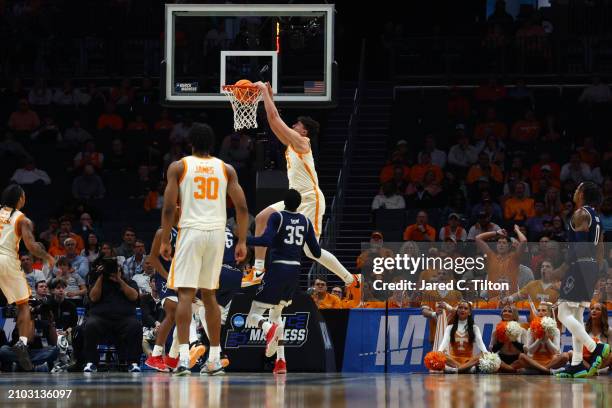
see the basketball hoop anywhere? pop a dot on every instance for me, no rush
(244, 100)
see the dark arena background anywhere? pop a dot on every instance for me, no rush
(474, 133)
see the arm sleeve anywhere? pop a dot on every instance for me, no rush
(554, 345)
(445, 340)
(312, 242)
(478, 340)
(265, 240)
(532, 344)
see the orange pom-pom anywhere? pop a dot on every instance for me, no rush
(500, 332)
(435, 360)
(537, 331)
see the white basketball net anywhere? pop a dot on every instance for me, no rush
(244, 100)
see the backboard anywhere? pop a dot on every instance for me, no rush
(211, 45)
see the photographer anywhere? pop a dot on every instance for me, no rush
(114, 300)
(42, 339)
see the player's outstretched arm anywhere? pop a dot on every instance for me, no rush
(242, 212)
(154, 255)
(171, 195)
(284, 133)
(36, 248)
(266, 239)
(312, 241)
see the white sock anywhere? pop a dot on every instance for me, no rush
(157, 351)
(280, 353)
(215, 353)
(24, 340)
(260, 264)
(184, 355)
(266, 327)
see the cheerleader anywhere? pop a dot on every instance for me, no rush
(541, 352)
(597, 327)
(459, 340)
(509, 351)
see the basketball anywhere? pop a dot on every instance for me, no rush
(242, 94)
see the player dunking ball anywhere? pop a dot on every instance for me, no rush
(15, 226)
(200, 182)
(302, 178)
(287, 233)
(577, 287)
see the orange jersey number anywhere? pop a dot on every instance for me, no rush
(208, 188)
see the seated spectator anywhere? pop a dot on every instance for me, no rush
(535, 224)
(30, 174)
(9, 147)
(401, 150)
(537, 169)
(388, 199)
(526, 131)
(48, 132)
(458, 205)
(462, 155)
(552, 202)
(142, 183)
(123, 94)
(576, 170)
(513, 177)
(134, 264)
(32, 275)
(559, 232)
(23, 119)
(458, 106)
(597, 92)
(493, 147)
(488, 206)
(483, 224)
(109, 119)
(112, 316)
(438, 157)
(67, 96)
(57, 248)
(164, 123)
(138, 124)
(588, 152)
(484, 169)
(75, 285)
(322, 299)
(180, 131)
(79, 263)
(65, 226)
(117, 160)
(94, 98)
(86, 226)
(518, 207)
(417, 173)
(490, 91)
(126, 249)
(491, 125)
(337, 291)
(143, 278)
(376, 250)
(453, 230)
(92, 249)
(236, 150)
(388, 171)
(76, 135)
(418, 197)
(42, 341)
(88, 185)
(546, 180)
(63, 311)
(41, 290)
(420, 230)
(88, 155)
(40, 95)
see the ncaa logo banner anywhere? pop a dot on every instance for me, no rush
(242, 335)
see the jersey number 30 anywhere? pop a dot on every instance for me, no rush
(208, 188)
(294, 235)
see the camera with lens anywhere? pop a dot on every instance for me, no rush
(107, 267)
(39, 308)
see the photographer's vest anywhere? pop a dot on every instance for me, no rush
(10, 231)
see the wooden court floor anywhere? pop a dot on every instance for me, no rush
(157, 390)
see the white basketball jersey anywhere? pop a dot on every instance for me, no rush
(9, 235)
(203, 187)
(301, 171)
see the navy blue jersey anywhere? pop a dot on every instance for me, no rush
(578, 284)
(285, 235)
(230, 248)
(160, 282)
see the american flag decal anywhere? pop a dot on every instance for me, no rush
(314, 87)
